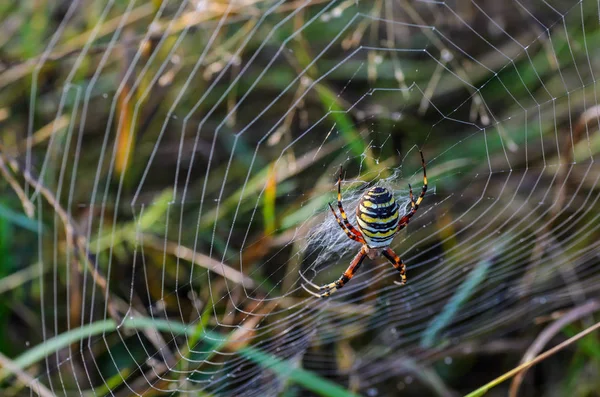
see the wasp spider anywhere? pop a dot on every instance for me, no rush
(378, 221)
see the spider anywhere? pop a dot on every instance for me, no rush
(377, 221)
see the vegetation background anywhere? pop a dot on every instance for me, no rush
(135, 155)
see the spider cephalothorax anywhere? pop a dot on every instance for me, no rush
(378, 221)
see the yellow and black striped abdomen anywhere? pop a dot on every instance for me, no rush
(377, 217)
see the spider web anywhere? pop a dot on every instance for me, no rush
(180, 155)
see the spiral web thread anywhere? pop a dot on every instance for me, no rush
(505, 234)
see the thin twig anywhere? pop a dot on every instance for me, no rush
(484, 389)
(80, 246)
(20, 277)
(185, 253)
(75, 240)
(545, 336)
(28, 206)
(19, 71)
(33, 384)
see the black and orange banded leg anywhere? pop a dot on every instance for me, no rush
(350, 235)
(415, 204)
(347, 223)
(396, 262)
(424, 188)
(344, 278)
(410, 194)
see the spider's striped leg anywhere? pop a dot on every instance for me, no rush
(410, 194)
(347, 223)
(424, 188)
(350, 235)
(404, 220)
(415, 204)
(397, 263)
(345, 277)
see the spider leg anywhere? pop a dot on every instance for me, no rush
(344, 278)
(350, 235)
(311, 292)
(310, 283)
(424, 188)
(397, 263)
(414, 204)
(347, 223)
(410, 194)
(307, 281)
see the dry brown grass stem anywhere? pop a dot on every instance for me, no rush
(525, 366)
(547, 334)
(75, 241)
(198, 259)
(33, 384)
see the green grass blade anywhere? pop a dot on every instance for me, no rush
(465, 290)
(307, 379)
